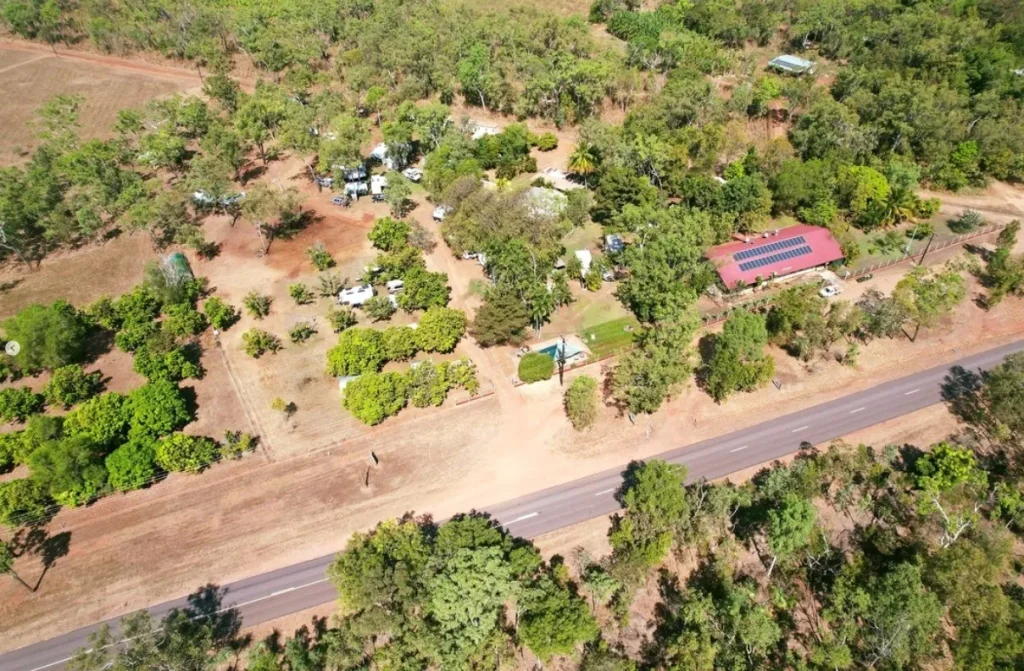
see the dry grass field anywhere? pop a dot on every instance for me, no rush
(28, 78)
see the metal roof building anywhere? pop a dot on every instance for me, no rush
(792, 64)
(787, 251)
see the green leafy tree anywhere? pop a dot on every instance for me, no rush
(182, 453)
(927, 297)
(257, 342)
(428, 385)
(220, 314)
(156, 409)
(389, 234)
(257, 305)
(105, 419)
(301, 332)
(50, 336)
(581, 402)
(656, 505)
(423, 290)
(400, 343)
(300, 293)
(19, 403)
(652, 372)
(379, 308)
(71, 470)
(358, 351)
(131, 466)
(373, 397)
(440, 329)
(341, 319)
(320, 257)
(738, 361)
(398, 194)
(501, 320)
(554, 620)
(184, 321)
(70, 385)
(24, 501)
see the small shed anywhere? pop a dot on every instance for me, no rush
(586, 258)
(481, 130)
(793, 65)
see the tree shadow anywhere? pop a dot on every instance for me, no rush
(961, 390)
(11, 284)
(37, 541)
(207, 604)
(252, 172)
(293, 223)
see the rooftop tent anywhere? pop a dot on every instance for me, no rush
(792, 64)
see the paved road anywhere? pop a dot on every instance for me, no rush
(294, 588)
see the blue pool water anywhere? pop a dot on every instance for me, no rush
(550, 350)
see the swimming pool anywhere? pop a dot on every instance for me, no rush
(550, 350)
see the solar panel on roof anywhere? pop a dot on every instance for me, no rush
(769, 248)
(775, 258)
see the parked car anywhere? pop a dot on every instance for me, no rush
(828, 291)
(340, 201)
(413, 174)
(326, 182)
(864, 278)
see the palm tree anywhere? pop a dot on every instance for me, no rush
(583, 161)
(899, 206)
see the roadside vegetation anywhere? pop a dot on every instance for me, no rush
(852, 557)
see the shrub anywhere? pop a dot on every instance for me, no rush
(220, 314)
(131, 466)
(581, 402)
(10, 444)
(547, 142)
(535, 367)
(373, 397)
(358, 351)
(462, 373)
(592, 280)
(921, 230)
(70, 385)
(400, 343)
(320, 257)
(379, 308)
(23, 501)
(182, 453)
(440, 329)
(967, 221)
(235, 444)
(329, 284)
(17, 404)
(301, 332)
(288, 408)
(501, 320)
(341, 319)
(257, 342)
(301, 294)
(184, 321)
(257, 305)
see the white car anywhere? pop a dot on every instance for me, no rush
(356, 296)
(828, 291)
(441, 211)
(413, 174)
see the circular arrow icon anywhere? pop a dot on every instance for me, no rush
(12, 348)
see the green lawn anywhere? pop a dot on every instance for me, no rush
(610, 336)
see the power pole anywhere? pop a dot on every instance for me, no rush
(561, 363)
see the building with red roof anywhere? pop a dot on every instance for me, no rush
(783, 252)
